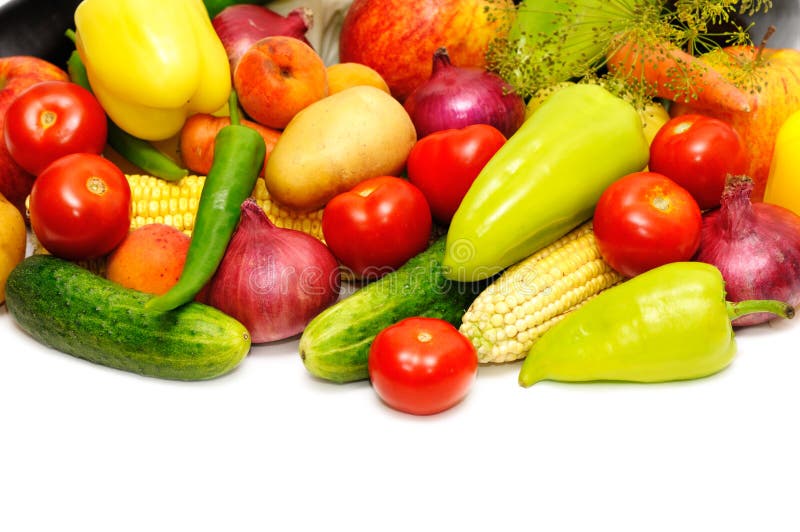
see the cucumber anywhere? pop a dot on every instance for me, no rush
(69, 308)
(335, 345)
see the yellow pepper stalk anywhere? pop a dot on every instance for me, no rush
(152, 63)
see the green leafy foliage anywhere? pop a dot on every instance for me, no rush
(556, 40)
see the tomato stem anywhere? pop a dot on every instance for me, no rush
(661, 203)
(47, 119)
(96, 185)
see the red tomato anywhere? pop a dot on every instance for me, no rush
(445, 163)
(377, 225)
(645, 220)
(698, 152)
(422, 365)
(80, 206)
(52, 119)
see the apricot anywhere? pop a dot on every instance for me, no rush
(150, 259)
(345, 75)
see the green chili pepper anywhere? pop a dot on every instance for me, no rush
(544, 181)
(144, 155)
(137, 151)
(239, 153)
(670, 323)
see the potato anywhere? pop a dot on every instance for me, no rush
(337, 142)
(13, 239)
(150, 259)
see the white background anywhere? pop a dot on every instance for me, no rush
(268, 447)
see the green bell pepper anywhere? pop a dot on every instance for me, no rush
(545, 180)
(670, 323)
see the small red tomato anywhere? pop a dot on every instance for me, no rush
(644, 220)
(422, 365)
(52, 119)
(698, 152)
(445, 163)
(80, 207)
(377, 226)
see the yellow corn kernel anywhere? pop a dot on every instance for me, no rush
(530, 297)
(307, 222)
(154, 200)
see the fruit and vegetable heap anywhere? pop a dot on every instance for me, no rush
(596, 190)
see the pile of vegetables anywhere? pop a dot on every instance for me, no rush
(518, 211)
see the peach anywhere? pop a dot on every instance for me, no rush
(277, 77)
(345, 75)
(150, 259)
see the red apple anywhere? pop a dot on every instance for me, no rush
(397, 38)
(17, 73)
(778, 80)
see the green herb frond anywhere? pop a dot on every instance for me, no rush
(550, 41)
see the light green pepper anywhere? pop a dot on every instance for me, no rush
(670, 323)
(545, 180)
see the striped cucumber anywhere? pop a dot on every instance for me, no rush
(335, 345)
(69, 308)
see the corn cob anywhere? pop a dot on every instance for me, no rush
(526, 300)
(155, 200)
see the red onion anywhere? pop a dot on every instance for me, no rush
(456, 97)
(273, 280)
(756, 246)
(240, 25)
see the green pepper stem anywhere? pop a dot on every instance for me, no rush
(750, 306)
(233, 107)
(70, 33)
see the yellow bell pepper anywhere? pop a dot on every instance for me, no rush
(152, 63)
(783, 183)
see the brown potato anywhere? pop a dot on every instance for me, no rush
(337, 142)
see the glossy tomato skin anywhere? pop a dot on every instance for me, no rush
(52, 119)
(698, 152)
(644, 220)
(422, 366)
(377, 226)
(80, 206)
(445, 163)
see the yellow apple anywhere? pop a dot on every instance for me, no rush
(13, 239)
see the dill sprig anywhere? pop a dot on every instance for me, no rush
(550, 41)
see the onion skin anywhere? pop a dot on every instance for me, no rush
(240, 25)
(455, 97)
(273, 280)
(756, 247)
